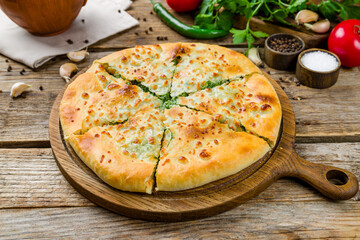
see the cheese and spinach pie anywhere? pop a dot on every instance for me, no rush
(170, 117)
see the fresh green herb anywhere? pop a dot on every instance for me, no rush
(176, 60)
(143, 87)
(219, 14)
(169, 103)
(165, 97)
(117, 122)
(117, 75)
(331, 9)
(212, 84)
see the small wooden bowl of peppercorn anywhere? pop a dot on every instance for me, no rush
(282, 49)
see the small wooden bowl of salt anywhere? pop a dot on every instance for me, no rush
(317, 68)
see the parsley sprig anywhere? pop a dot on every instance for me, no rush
(219, 14)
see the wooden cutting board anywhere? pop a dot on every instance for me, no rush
(311, 39)
(212, 198)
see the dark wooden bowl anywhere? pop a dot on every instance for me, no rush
(280, 60)
(313, 78)
(42, 17)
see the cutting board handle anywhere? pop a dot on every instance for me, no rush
(333, 182)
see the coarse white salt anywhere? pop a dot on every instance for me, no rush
(319, 61)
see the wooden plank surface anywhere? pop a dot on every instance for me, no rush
(37, 202)
(30, 178)
(276, 220)
(324, 115)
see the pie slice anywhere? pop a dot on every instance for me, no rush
(197, 150)
(251, 105)
(151, 66)
(202, 66)
(78, 96)
(88, 102)
(124, 155)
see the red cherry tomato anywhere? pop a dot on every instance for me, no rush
(344, 41)
(183, 5)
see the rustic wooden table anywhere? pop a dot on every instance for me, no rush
(37, 202)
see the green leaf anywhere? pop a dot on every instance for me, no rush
(207, 6)
(352, 12)
(250, 40)
(329, 10)
(279, 15)
(239, 36)
(248, 12)
(349, 2)
(204, 19)
(230, 6)
(259, 34)
(225, 20)
(296, 6)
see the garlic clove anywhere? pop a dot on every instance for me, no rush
(77, 56)
(306, 16)
(18, 88)
(322, 26)
(254, 56)
(67, 70)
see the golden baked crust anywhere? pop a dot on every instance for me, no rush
(187, 113)
(124, 155)
(249, 103)
(97, 99)
(198, 150)
(152, 65)
(203, 65)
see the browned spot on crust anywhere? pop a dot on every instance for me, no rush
(128, 90)
(102, 78)
(193, 132)
(85, 95)
(265, 107)
(266, 98)
(113, 86)
(183, 159)
(165, 162)
(151, 140)
(204, 154)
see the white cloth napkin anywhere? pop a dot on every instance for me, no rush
(101, 19)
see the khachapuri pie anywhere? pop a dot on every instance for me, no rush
(170, 117)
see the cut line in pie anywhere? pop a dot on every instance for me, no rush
(170, 117)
